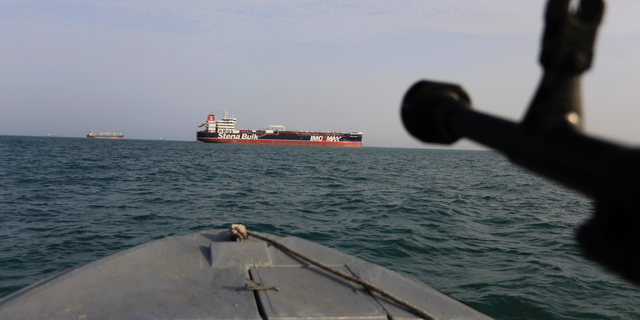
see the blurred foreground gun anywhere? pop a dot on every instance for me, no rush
(549, 139)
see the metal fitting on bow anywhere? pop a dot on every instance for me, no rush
(238, 232)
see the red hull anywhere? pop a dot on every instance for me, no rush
(96, 137)
(285, 143)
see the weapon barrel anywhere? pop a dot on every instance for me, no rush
(594, 167)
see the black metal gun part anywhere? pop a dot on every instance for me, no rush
(548, 140)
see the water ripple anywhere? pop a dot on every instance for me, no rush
(466, 222)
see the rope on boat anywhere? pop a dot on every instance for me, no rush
(238, 232)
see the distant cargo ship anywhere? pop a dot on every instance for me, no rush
(106, 135)
(224, 131)
(52, 135)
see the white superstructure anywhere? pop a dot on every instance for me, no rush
(226, 125)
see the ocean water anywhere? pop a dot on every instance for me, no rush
(468, 223)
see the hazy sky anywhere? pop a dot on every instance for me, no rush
(155, 69)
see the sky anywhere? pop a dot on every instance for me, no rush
(155, 69)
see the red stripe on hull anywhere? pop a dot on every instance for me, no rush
(345, 144)
(105, 137)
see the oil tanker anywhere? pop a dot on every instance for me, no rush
(224, 131)
(105, 135)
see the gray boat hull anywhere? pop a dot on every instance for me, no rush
(204, 276)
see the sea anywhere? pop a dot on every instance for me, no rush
(468, 223)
